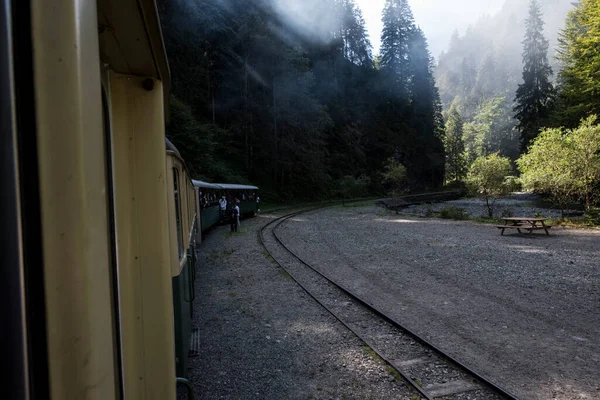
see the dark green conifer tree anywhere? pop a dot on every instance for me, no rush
(426, 114)
(534, 96)
(355, 39)
(396, 35)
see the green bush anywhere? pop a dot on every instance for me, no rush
(452, 212)
(456, 185)
(513, 183)
(592, 216)
(487, 178)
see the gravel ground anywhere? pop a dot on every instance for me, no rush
(523, 311)
(518, 204)
(262, 337)
(432, 372)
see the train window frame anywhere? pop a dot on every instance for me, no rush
(178, 218)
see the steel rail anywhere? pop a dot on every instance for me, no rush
(331, 312)
(486, 381)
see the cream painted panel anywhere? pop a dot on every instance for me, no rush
(143, 239)
(73, 200)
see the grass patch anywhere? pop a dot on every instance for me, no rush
(572, 223)
(214, 256)
(268, 206)
(268, 256)
(233, 294)
(488, 220)
(220, 256)
(385, 213)
(391, 371)
(365, 203)
(452, 212)
(286, 275)
(240, 232)
(371, 353)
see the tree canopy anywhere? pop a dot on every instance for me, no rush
(487, 178)
(579, 84)
(564, 163)
(295, 110)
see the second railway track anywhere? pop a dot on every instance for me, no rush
(432, 373)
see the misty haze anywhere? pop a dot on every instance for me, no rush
(471, 128)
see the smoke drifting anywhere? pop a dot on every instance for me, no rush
(313, 20)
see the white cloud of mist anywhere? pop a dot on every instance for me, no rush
(309, 18)
(437, 18)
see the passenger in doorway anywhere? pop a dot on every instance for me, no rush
(223, 207)
(257, 203)
(235, 214)
(237, 207)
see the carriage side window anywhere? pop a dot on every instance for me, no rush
(177, 212)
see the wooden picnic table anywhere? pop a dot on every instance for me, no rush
(525, 223)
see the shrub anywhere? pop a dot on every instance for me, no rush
(513, 183)
(395, 175)
(487, 177)
(564, 163)
(592, 216)
(452, 212)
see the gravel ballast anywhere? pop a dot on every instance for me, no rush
(263, 337)
(523, 311)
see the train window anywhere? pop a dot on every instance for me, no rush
(177, 212)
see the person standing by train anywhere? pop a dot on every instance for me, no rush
(223, 207)
(235, 215)
(237, 207)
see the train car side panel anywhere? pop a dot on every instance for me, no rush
(143, 238)
(73, 178)
(180, 262)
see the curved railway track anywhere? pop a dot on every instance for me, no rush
(430, 371)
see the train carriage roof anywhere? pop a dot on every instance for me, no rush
(231, 186)
(203, 184)
(171, 147)
(131, 40)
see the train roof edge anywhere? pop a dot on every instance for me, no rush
(131, 41)
(224, 186)
(234, 186)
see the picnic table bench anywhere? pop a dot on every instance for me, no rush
(525, 223)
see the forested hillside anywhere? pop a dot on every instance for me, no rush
(262, 93)
(481, 71)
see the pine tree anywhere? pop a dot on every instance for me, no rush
(356, 44)
(424, 98)
(398, 25)
(456, 166)
(579, 85)
(534, 96)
